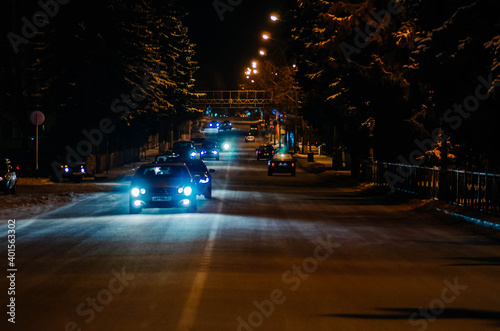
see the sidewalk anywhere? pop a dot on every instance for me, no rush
(127, 169)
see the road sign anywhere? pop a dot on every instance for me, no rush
(37, 117)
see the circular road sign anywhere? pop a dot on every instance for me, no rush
(37, 118)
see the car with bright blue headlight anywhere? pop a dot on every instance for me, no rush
(202, 176)
(214, 125)
(185, 149)
(209, 150)
(166, 185)
(226, 125)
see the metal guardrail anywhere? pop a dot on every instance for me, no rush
(473, 190)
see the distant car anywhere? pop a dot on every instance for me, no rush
(281, 163)
(209, 150)
(185, 149)
(8, 177)
(226, 125)
(197, 142)
(73, 171)
(167, 157)
(250, 137)
(264, 152)
(162, 186)
(254, 128)
(214, 124)
(202, 176)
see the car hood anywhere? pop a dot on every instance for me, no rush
(161, 182)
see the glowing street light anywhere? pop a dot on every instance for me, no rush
(266, 36)
(254, 64)
(262, 52)
(274, 18)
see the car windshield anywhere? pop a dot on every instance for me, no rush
(165, 158)
(209, 145)
(197, 167)
(182, 144)
(167, 171)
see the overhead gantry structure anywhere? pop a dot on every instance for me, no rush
(233, 99)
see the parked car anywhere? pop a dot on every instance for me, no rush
(250, 137)
(8, 177)
(202, 176)
(209, 150)
(226, 125)
(162, 186)
(281, 163)
(264, 152)
(214, 125)
(185, 149)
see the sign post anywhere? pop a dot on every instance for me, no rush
(37, 118)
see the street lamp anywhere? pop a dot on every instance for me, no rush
(274, 17)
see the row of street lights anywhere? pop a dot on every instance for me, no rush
(260, 74)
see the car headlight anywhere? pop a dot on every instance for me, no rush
(204, 180)
(203, 152)
(135, 192)
(180, 190)
(82, 170)
(193, 154)
(66, 169)
(187, 191)
(143, 191)
(226, 146)
(1, 178)
(214, 152)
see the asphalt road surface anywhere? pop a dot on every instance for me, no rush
(266, 253)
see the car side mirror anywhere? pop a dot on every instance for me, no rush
(211, 171)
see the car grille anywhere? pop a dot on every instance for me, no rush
(163, 190)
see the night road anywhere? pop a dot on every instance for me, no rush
(266, 253)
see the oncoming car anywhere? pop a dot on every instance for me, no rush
(214, 125)
(282, 163)
(209, 150)
(226, 125)
(162, 186)
(202, 176)
(185, 149)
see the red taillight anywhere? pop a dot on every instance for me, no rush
(272, 164)
(293, 164)
(260, 152)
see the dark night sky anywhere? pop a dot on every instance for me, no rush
(224, 49)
